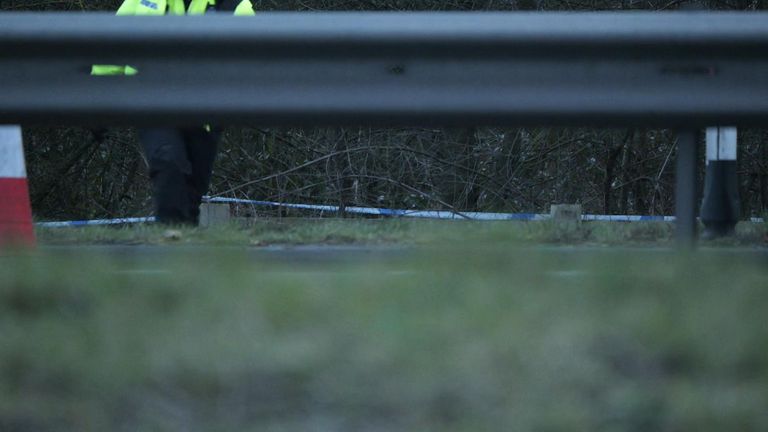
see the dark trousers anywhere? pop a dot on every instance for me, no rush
(180, 165)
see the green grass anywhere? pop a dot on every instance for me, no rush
(369, 231)
(470, 330)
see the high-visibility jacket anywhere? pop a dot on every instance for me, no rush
(161, 7)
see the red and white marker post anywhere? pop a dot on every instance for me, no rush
(15, 211)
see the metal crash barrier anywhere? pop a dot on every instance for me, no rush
(683, 71)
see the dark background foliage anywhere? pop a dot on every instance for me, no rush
(75, 175)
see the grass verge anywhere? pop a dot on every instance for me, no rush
(370, 231)
(471, 336)
(460, 333)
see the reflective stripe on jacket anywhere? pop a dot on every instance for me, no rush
(160, 7)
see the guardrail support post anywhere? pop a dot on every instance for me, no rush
(686, 189)
(720, 205)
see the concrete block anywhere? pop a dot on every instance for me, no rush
(214, 214)
(565, 212)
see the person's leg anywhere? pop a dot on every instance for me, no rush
(201, 147)
(169, 170)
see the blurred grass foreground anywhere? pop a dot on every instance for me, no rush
(446, 336)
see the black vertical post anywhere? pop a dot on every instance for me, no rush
(686, 189)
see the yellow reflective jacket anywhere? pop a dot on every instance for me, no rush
(161, 7)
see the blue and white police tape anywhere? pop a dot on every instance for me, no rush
(94, 222)
(436, 214)
(373, 211)
(430, 214)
